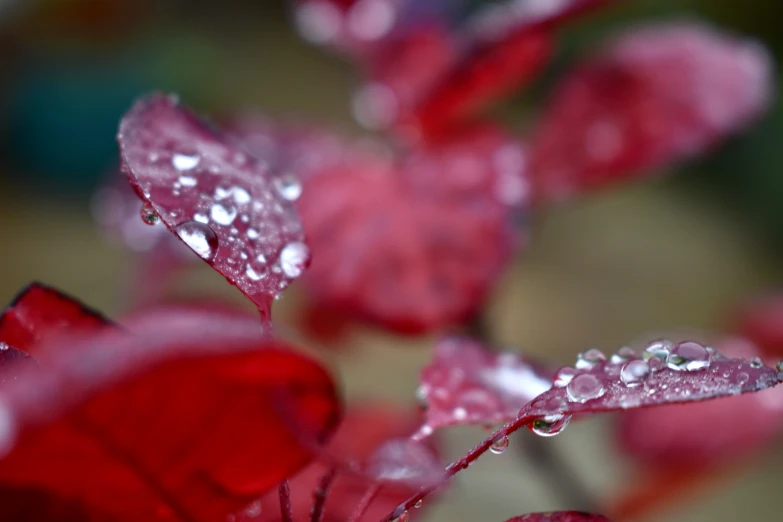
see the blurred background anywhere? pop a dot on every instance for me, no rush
(655, 256)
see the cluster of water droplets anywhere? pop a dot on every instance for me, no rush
(241, 214)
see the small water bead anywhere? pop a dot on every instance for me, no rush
(148, 215)
(499, 445)
(187, 181)
(184, 162)
(294, 258)
(199, 237)
(288, 186)
(658, 350)
(689, 356)
(201, 218)
(584, 387)
(418, 504)
(656, 364)
(634, 372)
(550, 425)
(421, 397)
(223, 213)
(564, 376)
(252, 233)
(623, 355)
(256, 269)
(742, 377)
(756, 362)
(241, 196)
(589, 359)
(779, 366)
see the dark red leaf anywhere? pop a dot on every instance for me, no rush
(366, 426)
(761, 321)
(414, 244)
(190, 419)
(40, 312)
(559, 516)
(468, 384)
(223, 203)
(652, 97)
(665, 373)
(674, 436)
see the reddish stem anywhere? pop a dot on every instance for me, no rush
(365, 502)
(286, 510)
(457, 466)
(320, 494)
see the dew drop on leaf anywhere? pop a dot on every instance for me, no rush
(185, 162)
(288, 186)
(148, 215)
(584, 387)
(499, 445)
(223, 213)
(199, 237)
(756, 362)
(418, 504)
(623, 355)
(294, 258)
(564, 376)
(658, 350)
(634, 372)
(550, 425)
(589, 359)
(689, 356)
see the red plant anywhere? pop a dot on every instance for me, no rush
(199, 414)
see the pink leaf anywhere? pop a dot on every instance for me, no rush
(674, 436)
(221, 202)
(653, 96)
(665, 373)
(414, 244)
(467, 384)
(559, 516)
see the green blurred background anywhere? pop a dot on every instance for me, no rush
(667, 254)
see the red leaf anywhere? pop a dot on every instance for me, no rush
(668, 373)
(365, 427)
(559, 516)
(40, 312)
(651, 97)
(189, 419)
(761, 321)
(414, 244)
(467, 384)
(674, 436)
(221, 202)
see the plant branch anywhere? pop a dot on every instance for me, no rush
(320, 494)
(365, 502)
(286, 510)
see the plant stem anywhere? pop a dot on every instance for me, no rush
(286, 510)
(457, 466)
(365, 502)
(320, 494)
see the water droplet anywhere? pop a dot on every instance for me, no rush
(499, 445)
(256, 269)
(241, 196)
(199, 237)
(4, 346)
(624, 354)
(689, 356)
(288, 187)
(564, 376)
(294, 258)
(634, 372)
(658, 350)
(185, 161)
(550, 425)
(252, 233)
(223, 213)
(460, 413)
(756, 362)
(742, 377)
(589, 359)
(148, 215)
(584, 387)
(421, 397)
(780, 366)
(201, 218)
(187, 181)
(418, 504)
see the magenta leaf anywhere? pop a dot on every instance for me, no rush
(220, 201)
(665, 373)
(673, 436)
(651, 97)
(405, 462)
(468, 384)
(559, 516)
